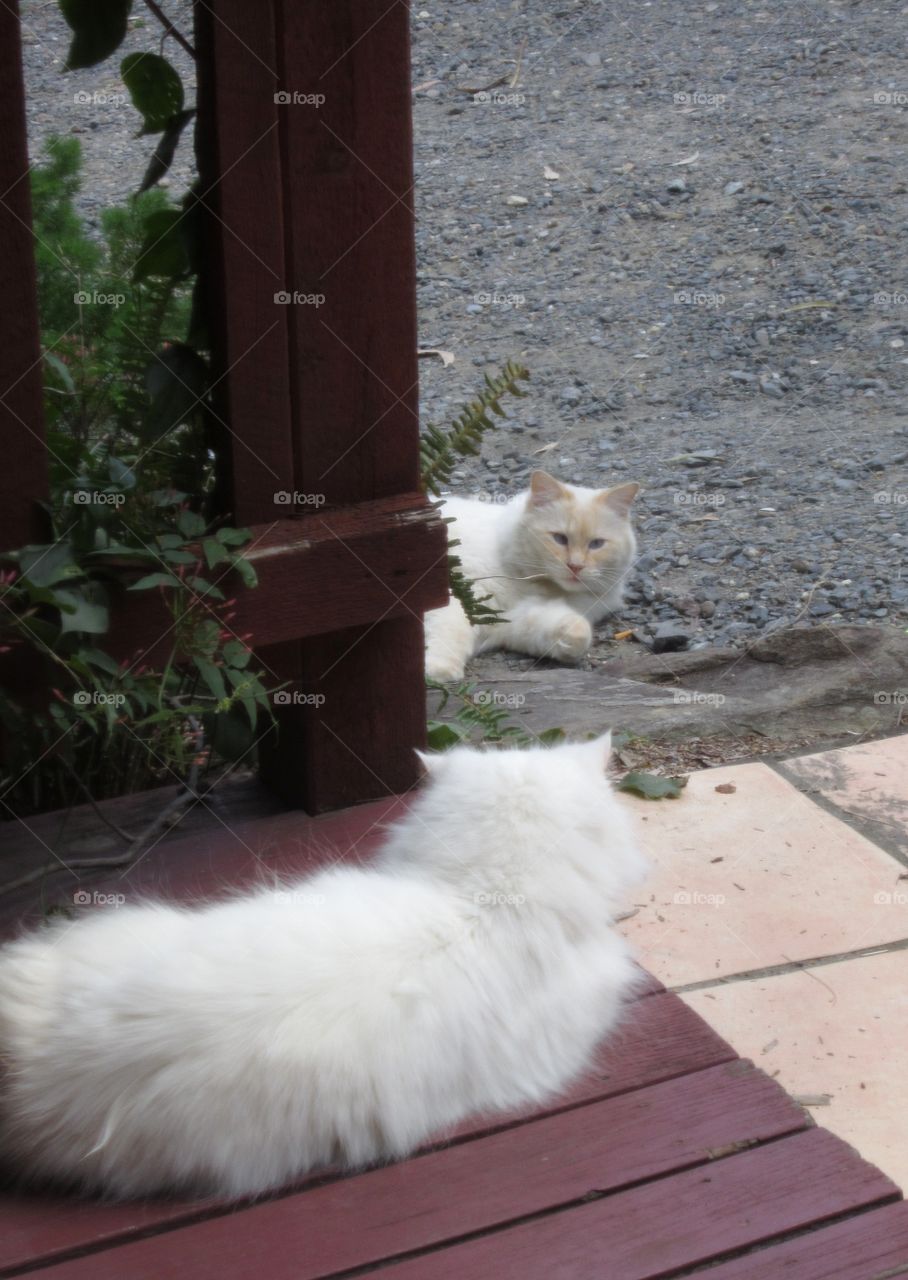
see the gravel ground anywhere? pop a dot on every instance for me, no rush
(94, 107)
(688, 223)
(694, 222)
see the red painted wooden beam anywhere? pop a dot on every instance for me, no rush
(321, 574)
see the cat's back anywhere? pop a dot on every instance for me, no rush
(479, 525)
(352, 930)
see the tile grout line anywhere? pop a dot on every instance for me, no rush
(791, 966)
(866, 827)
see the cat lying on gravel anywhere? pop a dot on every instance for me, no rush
(554, 561)
(229, 1048)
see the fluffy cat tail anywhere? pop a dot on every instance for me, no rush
(29, 984)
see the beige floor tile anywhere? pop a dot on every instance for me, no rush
(868, 782)
(755, 878)
(839, 1029)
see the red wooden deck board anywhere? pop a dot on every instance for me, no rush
(654, 1230)
(227, 854)
(471, 1187)
(660, 1038)
(871, 1246)
(649, 985)
(616, 1126)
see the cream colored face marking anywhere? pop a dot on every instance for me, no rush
(578, 538)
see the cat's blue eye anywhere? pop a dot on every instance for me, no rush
(561, 539)
(596, 543)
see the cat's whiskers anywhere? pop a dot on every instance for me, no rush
(509, 577)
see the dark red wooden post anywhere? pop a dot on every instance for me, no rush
(24, 470)
(307, 161)
(349, 192)
(23, 475)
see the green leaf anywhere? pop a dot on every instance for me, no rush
(121, 551)
(103, 661)
(81, 614)
(215, 552)
(47, 565)
(248, 703)
(236, 654)
(213, 678)
(190, 524)
(207, 590)
(43, 633)
(207, 635)
(155, 88)
(441, 736)
(122, 476)
(177, 382)
(233, 537)
(162, 158)
(246, 572)
(141, 699)
(155, 580)
(163, 252)
(652, 787)
(166, 497)
(98, 27)
(40, 595)
(62, 371)
(550, 737)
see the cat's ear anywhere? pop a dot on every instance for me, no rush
(429, 762)
(599, 749)
(545, 489)
(620, 498)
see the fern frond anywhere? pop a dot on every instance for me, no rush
(479, 718)
(440, 449)
(477, 608)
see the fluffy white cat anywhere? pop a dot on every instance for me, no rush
(229, 1048)
(554, 561)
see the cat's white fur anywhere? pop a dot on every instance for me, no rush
(472, 967)
(551, 594)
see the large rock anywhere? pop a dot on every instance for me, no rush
(803, 684)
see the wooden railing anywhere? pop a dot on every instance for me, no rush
(305, 161)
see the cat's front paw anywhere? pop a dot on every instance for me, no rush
(442, 670)
(573, 638)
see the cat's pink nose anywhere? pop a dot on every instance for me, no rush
(575, 569)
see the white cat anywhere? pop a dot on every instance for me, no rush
(554, 561)
(231, 1047)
